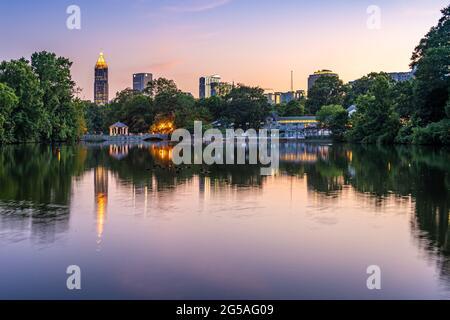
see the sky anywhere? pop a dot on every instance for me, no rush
(254, 42)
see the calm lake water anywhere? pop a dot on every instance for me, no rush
(140, 228)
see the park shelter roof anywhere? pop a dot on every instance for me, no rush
(119, 125)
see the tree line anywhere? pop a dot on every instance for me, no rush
(243, 107)
(38, 102)
(415, 111)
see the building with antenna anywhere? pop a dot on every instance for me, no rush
(284, 97)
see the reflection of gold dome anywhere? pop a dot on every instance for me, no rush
(101, 200)
(101, 63)
(161, 153)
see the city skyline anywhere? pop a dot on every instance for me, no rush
(182, 41)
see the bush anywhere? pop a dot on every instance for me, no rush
(434, 133)
(447, 108)
(404, 135)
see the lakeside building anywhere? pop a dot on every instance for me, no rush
(101, 86)
(298, 128)
(141, 81)
(118, 129)
(318, 74)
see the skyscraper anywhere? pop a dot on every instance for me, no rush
(318, 74)
(141, 81)
(208, 86)
(101, 88)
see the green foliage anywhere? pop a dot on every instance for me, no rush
(405, 104)
(29, 117)
(191, 112)
(246, 107)
(434, 133)
(291, 109)
(447, 108)
(46, 109)
(214, 105)
(431, 58)
(61, 115)
(335, 118)
(432, 89)
(8, 101)
(130, 107)
(361, 86)
(161, 101)
(95, 118)
(327, 90)
(404, 135)
(375, 121)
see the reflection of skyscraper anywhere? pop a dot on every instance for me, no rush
(101, 197)
(101, 87)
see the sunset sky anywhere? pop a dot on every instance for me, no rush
(256, 42)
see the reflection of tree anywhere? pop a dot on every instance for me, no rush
(324, 166)
(36, 181)
(419, 172)
(147, 163)
(35, 186)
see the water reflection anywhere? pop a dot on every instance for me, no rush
(37, 184)
(101, 197)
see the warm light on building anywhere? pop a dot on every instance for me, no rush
(163, 127)
(101, 84)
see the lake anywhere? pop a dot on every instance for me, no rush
(141, 228)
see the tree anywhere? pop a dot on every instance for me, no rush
(215, 106)
(246, 107)
(192, 111)
(8, 101)
(28, 118)
(431, 59)
(327, 90)
(60, 111)
(361, 86)
(447, 109)
(80, 124)
(291, 109)
(131, 107)
(335, 118)
(432, 90)
(404, 102)
(436, 133)
(375, 120)
(95, 118)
